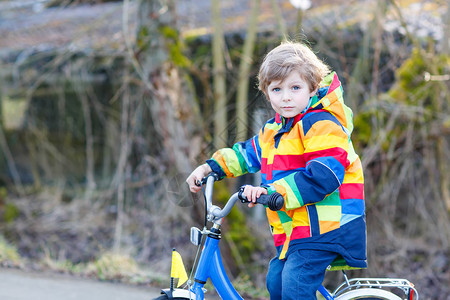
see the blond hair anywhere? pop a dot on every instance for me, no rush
(289, 57)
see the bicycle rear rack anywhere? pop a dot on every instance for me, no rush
(380, 283)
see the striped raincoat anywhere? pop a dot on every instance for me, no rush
(310, 160)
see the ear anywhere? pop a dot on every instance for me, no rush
(313, 92)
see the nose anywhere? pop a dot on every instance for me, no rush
(286, 95)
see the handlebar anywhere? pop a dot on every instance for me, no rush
(274, 201)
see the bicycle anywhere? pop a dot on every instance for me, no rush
(210, 265)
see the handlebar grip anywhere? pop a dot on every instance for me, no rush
(274, 201)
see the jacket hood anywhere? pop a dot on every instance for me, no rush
(329, 97)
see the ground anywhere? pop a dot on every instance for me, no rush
(20, 285)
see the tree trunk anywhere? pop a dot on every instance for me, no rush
(282, 31)
(219, 79)
(168, 98)
(244, 73)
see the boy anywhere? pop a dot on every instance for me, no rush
(304, 153)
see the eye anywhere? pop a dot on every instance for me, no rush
(276, 89)
(296, 87)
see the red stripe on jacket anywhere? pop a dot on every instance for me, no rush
(351, 191)
(338, 153)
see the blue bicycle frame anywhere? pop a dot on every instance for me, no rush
(210, 266)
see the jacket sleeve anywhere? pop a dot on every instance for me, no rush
(244, 157)
(326, 146)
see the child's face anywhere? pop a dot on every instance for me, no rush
(290, 96)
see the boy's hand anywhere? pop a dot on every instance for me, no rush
(197, 175)
(252, 193)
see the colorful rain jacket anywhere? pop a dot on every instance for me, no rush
(310, 160)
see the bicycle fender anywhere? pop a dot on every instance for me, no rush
(179, 293)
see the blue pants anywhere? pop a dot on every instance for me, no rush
(299, 275)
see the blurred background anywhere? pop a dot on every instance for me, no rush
(106, 107)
